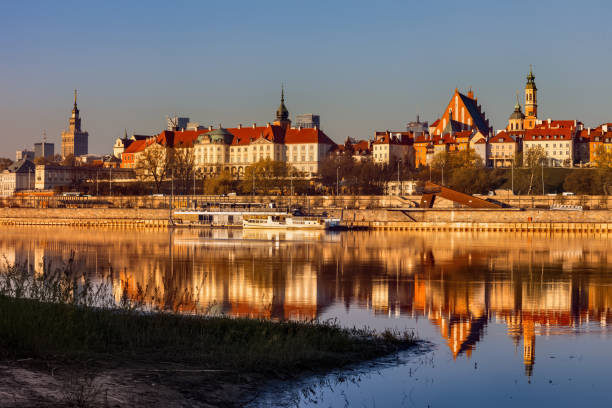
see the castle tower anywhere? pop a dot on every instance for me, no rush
(282, 114)
(531, 101)
(74, 141)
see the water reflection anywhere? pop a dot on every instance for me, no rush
(534, 285)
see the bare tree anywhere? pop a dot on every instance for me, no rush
(183, 166)
(154, 164)
(534, 158)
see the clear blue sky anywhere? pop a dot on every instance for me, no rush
(362, 66)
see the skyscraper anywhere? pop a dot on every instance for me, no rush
(75, 141)
(308, 121)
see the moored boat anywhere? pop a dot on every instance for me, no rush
(289, 221)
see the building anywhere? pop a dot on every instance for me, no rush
(404, 187)
(557, 144)
(44, 149)
(308, 120)
(234, 149)
(24, 154)
(418, 127)
(389, 147)
(51, 176)
(74, 141)
(502, 150)
(589, 143)
(176, 123)
(462, 113)
(122, 143)
(18, 176)
(359, 150)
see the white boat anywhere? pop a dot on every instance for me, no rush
(288, 221)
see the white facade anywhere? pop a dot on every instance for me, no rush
(11, 182)
(559, 153)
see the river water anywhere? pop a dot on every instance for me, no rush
(510, 319)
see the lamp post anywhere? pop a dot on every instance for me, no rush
(399, 192)
(337, 179)
(542, 176)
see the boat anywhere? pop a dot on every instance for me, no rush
(289, 221)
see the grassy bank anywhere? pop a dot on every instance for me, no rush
(75, 353)
(29, 328)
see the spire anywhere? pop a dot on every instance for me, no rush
(531, 77)
(282, 114)
(517, 107)
(75, 97)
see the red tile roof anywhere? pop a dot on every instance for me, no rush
(502, 137)
(555, 124)
(542, 135)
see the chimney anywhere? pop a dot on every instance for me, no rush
(240, 126)
(316, 127)
(589, 131)
(209, 127)
(300, 127)
(268, 124)
(549, 121)
(254, 125)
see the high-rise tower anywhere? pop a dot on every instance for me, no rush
(531, 101)
(74, 141)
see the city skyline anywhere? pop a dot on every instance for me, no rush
(375, 70)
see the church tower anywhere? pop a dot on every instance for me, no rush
(282, 114)
(531, 101)
(517, 118)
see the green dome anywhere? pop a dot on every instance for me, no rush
(220, 135)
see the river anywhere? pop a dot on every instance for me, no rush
(510, 319)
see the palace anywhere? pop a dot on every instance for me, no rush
(232, 150)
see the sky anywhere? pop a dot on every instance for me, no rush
(362, 65)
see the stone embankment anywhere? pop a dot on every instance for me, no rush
(393, 219)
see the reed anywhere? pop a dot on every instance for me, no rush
(62, 313)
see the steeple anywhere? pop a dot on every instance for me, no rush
(531, 77)
(75, 120)
(282, 114)
(531, 100)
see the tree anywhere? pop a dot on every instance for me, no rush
(603, 161)
(5, 163)
(219, 184)
(584, 181)
(183, 165)
(154, 164)
(267, 175)
(534, 160)
(68, 161)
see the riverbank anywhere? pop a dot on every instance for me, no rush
(61, 353)
(459, 219)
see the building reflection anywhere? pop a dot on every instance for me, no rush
(536, 285)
